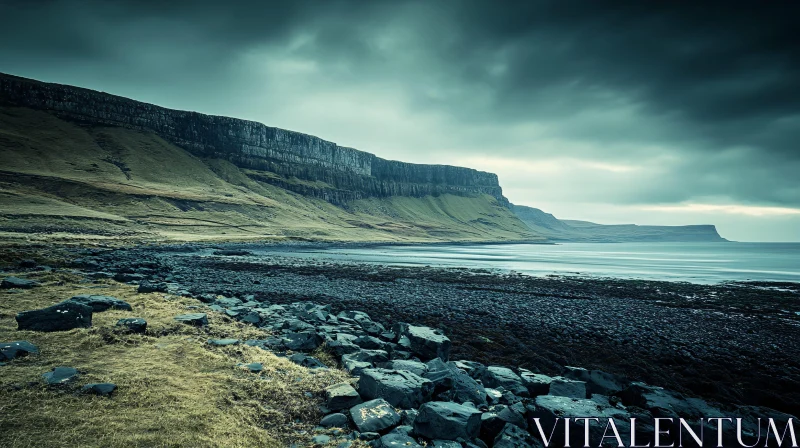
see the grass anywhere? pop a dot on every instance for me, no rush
(60, 182)
(174, 389)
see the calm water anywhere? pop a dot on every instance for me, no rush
(693, 262)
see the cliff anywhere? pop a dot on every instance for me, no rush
(583, 231)
(334, 173)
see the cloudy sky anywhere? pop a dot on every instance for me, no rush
(634, 111)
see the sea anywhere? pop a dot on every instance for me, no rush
(706, 263)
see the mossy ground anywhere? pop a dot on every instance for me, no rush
(174, 389)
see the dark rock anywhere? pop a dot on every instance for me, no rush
(147, 287)
(400, 388)
(371, 356)
(337, 420)
(370, 343)
(223, 342)
(537, 384)
(374, 416)
(415, 367)
(342, 347)
(102, 389)
(196, 319)
(17, 283)
(447, 421)
(254, 367)
(134, 324)
(513, 436)
(101, 303)
(445, 444)
(228, 302)
(664, 403)
(302, 341)
(16, 349)
(504, 377)
(564, 387)
(354, 367)
(409, 415)
(27, 264)
(61, 375)
(474, 369)
(61, 317)
(426, 342)
(124, 277)
(550, 408)
(453, 384)
(368, 435)
(396, 440)
(597, 381)
(341, 396)
(309, 362)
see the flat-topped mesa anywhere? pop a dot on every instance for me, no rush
(338, 174)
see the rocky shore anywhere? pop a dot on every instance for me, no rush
(457, 357)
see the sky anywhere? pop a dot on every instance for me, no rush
(643, 112)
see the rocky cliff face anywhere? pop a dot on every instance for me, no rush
(348, 173)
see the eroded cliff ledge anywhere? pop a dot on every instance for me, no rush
(339, 174)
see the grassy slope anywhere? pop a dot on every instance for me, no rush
(57, 178)
(173, 388)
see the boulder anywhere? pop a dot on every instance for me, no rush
(16, 349)
(453, 384)
(551, 408)
(400, 388)
(374, 416)
(308, 362)
(61, 317)
(60, 375)
(665, 403)
(504, 377)
(512, 436)
(305, 341)
(415, 367)
(195, 319)
(597, 381)
(564, 387)
(18, 283)
(426, 342)
(537, 384)
(147, 287)
(342, 347)
(102, 389)
(336, 420)
(133, 324)
(254, 367)
(474, 369)
(370, 343)
(371, 356)
(341, 396)
(396, 440)
(447, 421)
(101, 303)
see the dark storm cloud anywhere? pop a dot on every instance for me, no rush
(714, 84)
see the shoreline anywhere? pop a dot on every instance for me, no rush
(696, 339)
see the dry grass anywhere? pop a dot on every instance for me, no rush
(173, 388)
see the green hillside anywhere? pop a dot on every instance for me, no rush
(60, 180)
